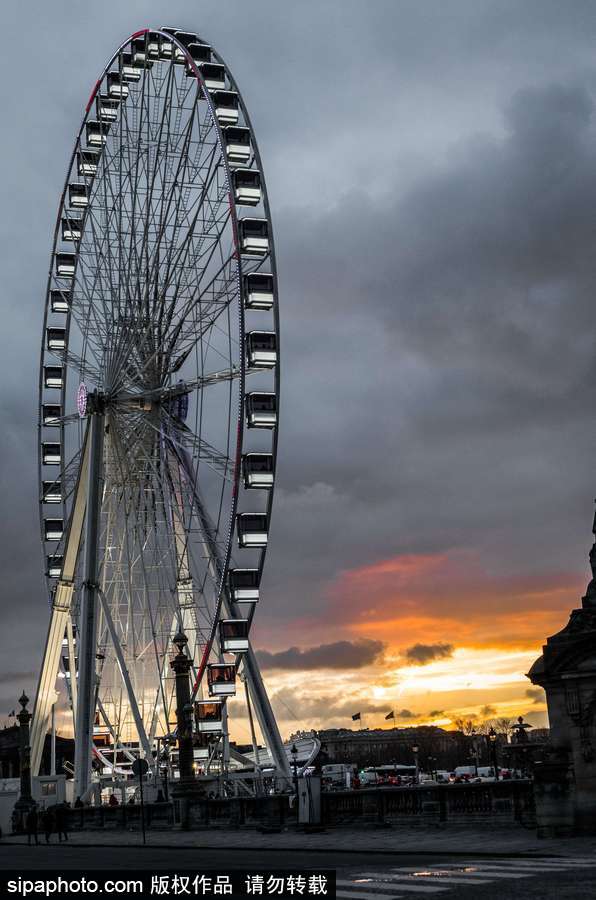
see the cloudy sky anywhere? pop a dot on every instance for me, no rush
(432, 173)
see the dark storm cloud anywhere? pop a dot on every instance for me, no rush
(464, 387)
(431, 172)
(537, 695)
(405, 714)
(11, 677)
(421, 654)
(339, 655)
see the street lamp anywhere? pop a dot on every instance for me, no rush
(415, 750)
(164, 765)
(294, 752)
(474, 753)
(432, 762)
(492, 737)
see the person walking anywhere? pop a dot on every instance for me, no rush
(61, 822)
(31, 825)
(47, 821)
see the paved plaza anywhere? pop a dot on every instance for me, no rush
(453, 841)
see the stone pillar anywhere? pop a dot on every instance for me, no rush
(566, 780)
(25, 801)
(554, 795)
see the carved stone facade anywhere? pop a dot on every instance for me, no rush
(567, 672)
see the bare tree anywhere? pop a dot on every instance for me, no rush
(466, 726)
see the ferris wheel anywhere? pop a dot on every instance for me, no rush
(159, 405)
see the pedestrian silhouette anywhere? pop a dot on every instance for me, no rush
(31, 825)
(47, 821)
(61, 822)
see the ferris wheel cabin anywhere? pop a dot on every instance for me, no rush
(128, 70)
(201, 53)
(244, 585)
(247, 186)
(88, 161)
(139, 51)
(51, 492)
(258, 290)
(51, 454)
(226, 105)
(261, 410)
(72, 229)
(257, 470)
(65, 264)
(233, 635)
(107, 108)
(209, 715)
(53, 529)
(97, 133)
(53, 377)
(54, 565)
(78, 196)
(214, 76)
(117, 87)
(252, 529)
(261, 349)
(221, 679)
(56, 338)
(254, 236)
(238, 145)
(59, 301)
(51, 415)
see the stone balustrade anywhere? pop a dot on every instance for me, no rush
(508, 802)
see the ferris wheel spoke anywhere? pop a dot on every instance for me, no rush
(78, 363)
(175, 264)
(184, 439)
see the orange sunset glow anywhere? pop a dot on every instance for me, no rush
(476, 635)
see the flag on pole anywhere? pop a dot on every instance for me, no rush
(356, 717)
(390, 715)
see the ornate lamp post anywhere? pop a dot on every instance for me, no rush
(415, 750)
(474, 753)
(492, 737)
(25, 801)
(294, 752)
(520, 740)
(432, 763)
(181, 664)
(186, 786)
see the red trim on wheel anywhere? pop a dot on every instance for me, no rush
(92, 97)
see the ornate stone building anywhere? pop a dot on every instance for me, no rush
(9, 753)
(566, 780)
(383, 746)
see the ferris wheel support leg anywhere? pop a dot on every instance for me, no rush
(60, 620)
(264, 713)
(89, 611)
(134, 706)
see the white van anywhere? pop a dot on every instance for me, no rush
(337, 775)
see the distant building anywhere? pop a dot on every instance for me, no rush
(541, 735)
(437, 748)
(9, 753)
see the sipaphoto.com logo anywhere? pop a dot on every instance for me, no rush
(70, 887)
